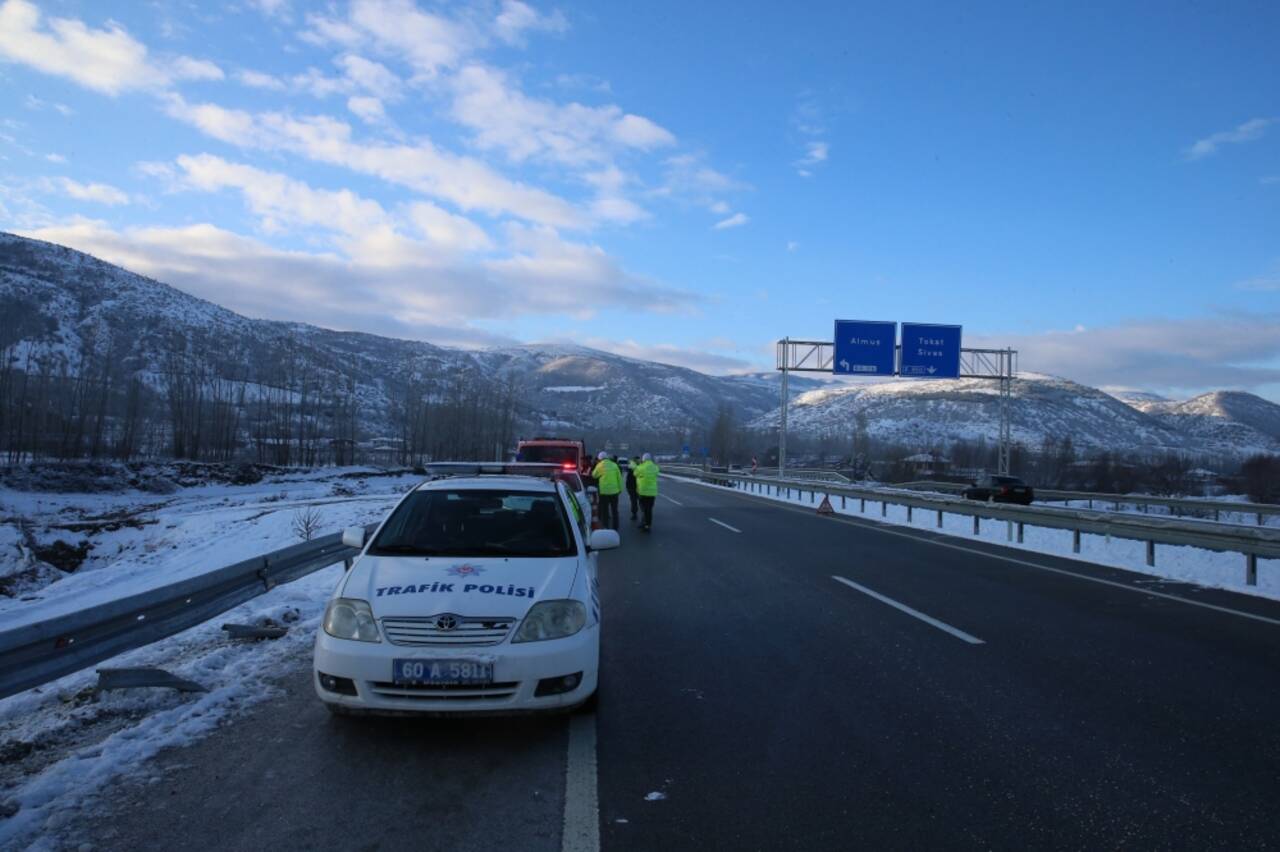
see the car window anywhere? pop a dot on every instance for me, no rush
(548, 454)
(475, 522)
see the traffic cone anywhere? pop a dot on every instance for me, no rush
(825, 507)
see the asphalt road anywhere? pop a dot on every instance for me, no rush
(944, 693)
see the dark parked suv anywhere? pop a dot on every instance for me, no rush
(1000, 489)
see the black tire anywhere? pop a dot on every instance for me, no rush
(590, 705)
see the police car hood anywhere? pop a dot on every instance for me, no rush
(399, 585)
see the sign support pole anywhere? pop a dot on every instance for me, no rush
(1006, 394)
(782, 429)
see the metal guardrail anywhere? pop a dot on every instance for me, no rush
(1176, 505)
(1252, 542)
(814, 474)
(37, 653)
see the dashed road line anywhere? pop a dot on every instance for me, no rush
(914, 613)
(723, 524)
(672, 499)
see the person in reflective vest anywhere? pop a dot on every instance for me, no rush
(609, 483)
(631, 486)
(647, 489)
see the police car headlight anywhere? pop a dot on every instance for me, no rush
(348, 618)
(552, 620)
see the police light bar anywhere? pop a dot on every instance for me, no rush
(438, 470)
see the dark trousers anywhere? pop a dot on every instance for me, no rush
(634, 505)
(609, 511)
(646, 506)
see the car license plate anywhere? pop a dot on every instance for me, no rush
(441, 671)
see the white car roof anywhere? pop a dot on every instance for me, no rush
(494, 482)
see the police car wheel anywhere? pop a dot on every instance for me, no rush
(338, 710)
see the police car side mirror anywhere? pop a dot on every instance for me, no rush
(353, 537)
(604, 540)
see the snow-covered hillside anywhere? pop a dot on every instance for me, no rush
(941, 412)
(57, 303)
(1225, 421)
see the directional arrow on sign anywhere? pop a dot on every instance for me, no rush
(844, 362)
(933, 370)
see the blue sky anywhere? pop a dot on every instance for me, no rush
(1098, 186)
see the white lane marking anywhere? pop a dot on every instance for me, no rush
(581, 803)
(672, 499)
(928, 539)
(723, 524)
(914, 613)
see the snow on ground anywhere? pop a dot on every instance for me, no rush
(1186, 564)
(138, 540)
(59, 745)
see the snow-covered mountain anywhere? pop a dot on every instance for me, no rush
(57, 304)
(942, 412)
(1226, 420)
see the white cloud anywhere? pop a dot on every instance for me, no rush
(792, 245)
(1267, 180)
(369, 109)
(1173, 356)
(259, 80)
(34, 103)
(107, 60)
(504, 118)
(271, 8)
(55, 158)
(99, 193)
(589, 82)
(734, 221)
(1249, 131)
(463, 181)
(391, 291)
(517, 18)
(429, 42)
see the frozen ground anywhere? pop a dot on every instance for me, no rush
(112, 544)
(1186, 564)
(58, 743)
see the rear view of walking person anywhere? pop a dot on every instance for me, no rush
(647, 488)
(631, 485)
(609, 484)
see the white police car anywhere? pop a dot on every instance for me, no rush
(477, 594)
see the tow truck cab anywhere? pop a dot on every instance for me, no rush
(566, 452)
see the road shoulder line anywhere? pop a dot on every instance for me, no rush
(581, 795)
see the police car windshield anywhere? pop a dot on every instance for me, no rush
(467, 522)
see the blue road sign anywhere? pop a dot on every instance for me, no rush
(864, 348)
(930, 351)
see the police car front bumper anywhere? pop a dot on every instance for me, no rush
(517, 671)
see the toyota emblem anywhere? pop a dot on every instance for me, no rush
(446, 622)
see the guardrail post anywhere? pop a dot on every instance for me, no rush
(1151, 553)
(1251, 569)
(813, 495)
(1075, 541)
(977, 528)
(1008, 531)
(939, 519)
(1019, 532)
(842, 499)
(884, 508)
(1215, 514)
(1259, 519)
(862, 505)
(908, 514)
(1090, 502)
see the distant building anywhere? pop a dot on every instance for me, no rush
(928, 464)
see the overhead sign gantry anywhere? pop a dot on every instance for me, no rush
(871, 348)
